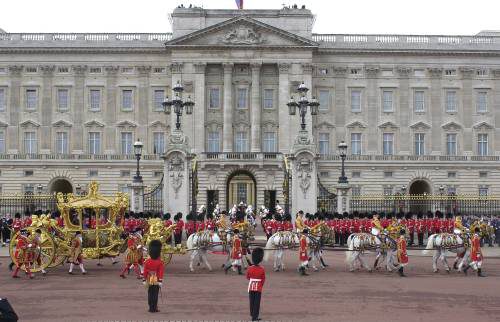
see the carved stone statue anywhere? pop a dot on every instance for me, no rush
(176, 168)
(304, 169)
(242, 35)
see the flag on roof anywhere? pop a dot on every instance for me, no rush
(239, 3)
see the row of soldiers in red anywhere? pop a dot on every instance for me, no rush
(276, 223)
(199, 224)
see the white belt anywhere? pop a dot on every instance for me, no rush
(251, 281)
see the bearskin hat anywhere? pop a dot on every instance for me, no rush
(402, 232)
(166, 216)
(305, 231)
(257, 255)
(154, 249)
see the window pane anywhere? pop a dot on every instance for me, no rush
(324, 99)
(30, 144)
(95, 99)
(127, 143)
(419, 144)
(241, 142)
(63, 99)
(356, 143)
(268, 98)
(62, 142)
(451, 101)
(481, 104)
(482, 144)
(388, 143)
(213, 142)
(356, 100)
(269, 142)
(324, 143)
(158, 143)
(31, 99)
(387, 101)
(158, 97)
(2, 99)
(127, 99)
(419, 101)
(451, 144)
(214, 98)
(2, 142)
(94, 142)
(242, 98)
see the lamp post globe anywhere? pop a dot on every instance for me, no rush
(178, 103)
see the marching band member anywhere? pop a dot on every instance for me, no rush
(476, 254)
(401, 252)
(21, 254)
(303, 257)
(256, 276)
(76, 253)
(153, 274)
(236, 254)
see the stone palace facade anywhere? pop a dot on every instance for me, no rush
(416, 111)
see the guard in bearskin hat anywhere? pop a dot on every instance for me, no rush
(256, 276)
(153, 274)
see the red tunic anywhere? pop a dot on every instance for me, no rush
(21, 252)
(476, 249)
(402, 255)
(153, 267)
(303, 249)
(168, 223)
(179, 226)
(236, 251)
(200, 225)
(60, 222)
(17, 225)
(256, 276)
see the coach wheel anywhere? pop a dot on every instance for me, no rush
(167, 258)
(40, 258)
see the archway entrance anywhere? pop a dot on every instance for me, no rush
(420, 204)
(241, 187)
(61, 185)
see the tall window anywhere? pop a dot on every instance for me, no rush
(30, 145)
(213, 142)
(241, 142)
(2, 142)
(483, 191)
(269, 142)
(388, 143)
(269, 98)
(324, 99)
(94, 143)
(31, 99)
(388, 190)
(127, 100)
(481, 102)
(62, 146)
(451, 101)
(419, 144)
(3, 101)
(419, 101)
(214, 98)
(158, 143)
(356, 100)
(324, 143)
(127, 143)
(62, 99)
(95, 99)
(241, 192)
(356, 143)
(451, 144)
(387, 101)
(158, 96)
(482, 144)
(242, 98)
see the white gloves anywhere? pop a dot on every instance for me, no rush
(143, 282)
(30, 245)
(160, 284)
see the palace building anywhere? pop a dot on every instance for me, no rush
(416, 111)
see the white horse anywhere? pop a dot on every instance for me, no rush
(250, 216)
(216, 211)
(200, 243)
(263, 212)
(357, 243)
(443, 242)
(201, 209)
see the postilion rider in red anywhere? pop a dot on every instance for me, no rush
(256, 276)
(22, 253)
(153, 274)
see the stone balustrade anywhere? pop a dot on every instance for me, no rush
(228, 156)
(84, 157)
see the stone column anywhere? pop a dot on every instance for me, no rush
(438, 108)
(199, 108)
(343, 198)
(142, 110)
(284, 117)
(137, 201)
(15, 107)
(77, 134)
(371, 97)
(304, 174)
(255, 108)
(227, 134)
(111, 110)
(46, 109)
(405, 109)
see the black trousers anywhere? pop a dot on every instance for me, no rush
(5, 234)
(153, 291)
(420, 239)
(178, 238)
(412, 238)
(254, 304)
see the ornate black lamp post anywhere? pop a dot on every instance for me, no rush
(441, 193)
(138, 153)
(302, 104)
(343, 152)
(178, 104)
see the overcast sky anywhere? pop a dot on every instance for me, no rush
(459, 17)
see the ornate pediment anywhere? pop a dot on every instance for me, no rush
(388, 125)
(93, 123)
(324, 124)
(158, 124)
(356, 124)
(29, 123)
(483, 126)
(420, 126)
(61, 123)
(451, 126)
(241, 32)
(126, 124)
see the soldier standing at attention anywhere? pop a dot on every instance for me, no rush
(153, 275)
(256, 276)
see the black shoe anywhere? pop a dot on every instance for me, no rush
(11, 265)
(480, 274)
(455, 266)
(239, 271)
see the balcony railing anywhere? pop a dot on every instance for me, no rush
(241, 156)
(96, 157)
(442, 158)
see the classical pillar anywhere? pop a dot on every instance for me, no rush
(77, 134)
(255, 109)
(45, 96)
(227, 135)
(371, 97)
(110, 110)
(343, 198)
(284, 117)
(307, 79)
(15, 105)
(199, 108)
(137, 201)
(142, 110)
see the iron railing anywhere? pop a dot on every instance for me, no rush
(153, 199)
(326, 200)
(26, 204)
